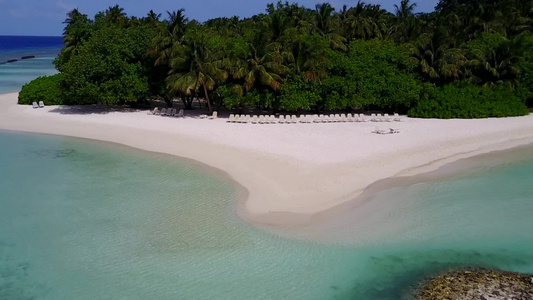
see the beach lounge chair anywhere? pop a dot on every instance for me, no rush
(254, 119)
(35, 105)
(214, 115)
(163, 112)
(231, 118)
(379, 118)
(281, 119)
(349, 118)
(180, 113)
(397, 117)
(386, 118)
(154, 112)
(171, 112)
(41, 104)
(316, 119)
(237, 118)
(379, 131)
(294, 120)
(373, 117)
(362, 118)
(302, 119)
(247, 119)
(273, 119)
(261, 119)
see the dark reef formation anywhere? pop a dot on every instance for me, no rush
(482, 284)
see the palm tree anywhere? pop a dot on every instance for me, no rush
(75, 33)
(435, 59)
(254, 66)
(116, 15)
(195, 66)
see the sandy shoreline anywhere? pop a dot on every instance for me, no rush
(287, 170)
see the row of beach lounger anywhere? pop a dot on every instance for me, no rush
(171, 112)
(271, 119)
(35, 105)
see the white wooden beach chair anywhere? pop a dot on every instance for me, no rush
(397, 117)
(171, 112)
(261, 119)
(231, 118)
(349, 118)
(163, 112)
(254, 119)
(35, 105)
(294, 120)
(41, 104)
(273, 119)
(152, 112)
(247, 119)
(237, 118)
(281, 119)
(373, 117)
(362, 118)
(379, 131)
(214, 115)
(379, 118)
(386, 118)
(321, 119)
(180, 113)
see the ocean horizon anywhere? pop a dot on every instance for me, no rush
(83, 219)
(15, 74)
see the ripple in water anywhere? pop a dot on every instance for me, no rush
(83, 220)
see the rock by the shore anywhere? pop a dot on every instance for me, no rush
(478, 284)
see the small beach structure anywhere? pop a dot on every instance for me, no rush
(35, 105)
(214, 115)
(41, 104)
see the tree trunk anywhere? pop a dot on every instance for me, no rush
(208, 101)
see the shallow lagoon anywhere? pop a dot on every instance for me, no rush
(87, 220)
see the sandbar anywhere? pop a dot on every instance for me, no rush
(290, 171)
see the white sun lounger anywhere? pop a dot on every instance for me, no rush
(254, 119)
(386, 118)
(35, 105)
(362, 118)
(180, 113)
(150, 112)
(397, 118)
(171, 112)
(214, 115)
(41, 104)
(231, 118)
(163, 112)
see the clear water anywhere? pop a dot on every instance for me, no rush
(14, 75)
(84, 220)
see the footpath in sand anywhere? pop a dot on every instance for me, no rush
(290, 171)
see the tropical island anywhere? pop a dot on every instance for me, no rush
(464, 60)
(475, 72)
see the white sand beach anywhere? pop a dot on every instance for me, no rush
(288, 170)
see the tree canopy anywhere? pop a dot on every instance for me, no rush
(292, 58)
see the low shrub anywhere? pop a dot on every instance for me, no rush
(44, 88)
(468, 101)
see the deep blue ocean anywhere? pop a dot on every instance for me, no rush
(15, 74)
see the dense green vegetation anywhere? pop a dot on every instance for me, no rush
(467, 59)
(44, 88)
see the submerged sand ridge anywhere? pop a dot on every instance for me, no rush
(288, 170)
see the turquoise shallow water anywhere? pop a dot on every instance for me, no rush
(14, 75)
(85, 220)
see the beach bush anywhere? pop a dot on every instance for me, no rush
(468, 101)
(44, 88)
